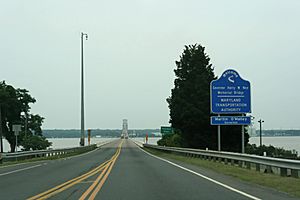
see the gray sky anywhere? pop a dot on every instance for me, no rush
(130, 55)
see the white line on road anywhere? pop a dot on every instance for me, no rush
(18, 170)
(205, 177)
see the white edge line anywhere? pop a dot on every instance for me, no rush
(138, 143)
(205, 177)
(24, 163)
(31, 167)
(18, 170)
(69, 157)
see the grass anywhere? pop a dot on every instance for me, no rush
(284, 184)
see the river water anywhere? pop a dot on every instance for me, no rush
(288, 143)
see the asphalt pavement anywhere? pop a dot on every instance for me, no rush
(121, 170)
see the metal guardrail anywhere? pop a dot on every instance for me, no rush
(44, 153)
(284, 167)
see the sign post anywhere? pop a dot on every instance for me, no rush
(16, 128)
(243, 139)
(219, 137)
(230, 94)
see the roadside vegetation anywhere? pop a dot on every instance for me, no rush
(189, 106)
(190, 112)
(272, 151)
(15, 110)
(284, 184)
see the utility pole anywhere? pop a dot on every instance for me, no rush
(82, 91)
(260, 130)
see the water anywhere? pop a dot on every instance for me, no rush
(288, 143)
(58, 143)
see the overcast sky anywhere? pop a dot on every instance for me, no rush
(131, 52)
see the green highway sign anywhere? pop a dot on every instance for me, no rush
(166, 130)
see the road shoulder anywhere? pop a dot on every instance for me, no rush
(251, 188)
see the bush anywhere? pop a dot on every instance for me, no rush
(271, 151)
(35, 142)
(172, 140)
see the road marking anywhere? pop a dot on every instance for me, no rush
(68, 184)
(59, 159)
(98, 185)
(138, 143)
(88, 191)
(62, 187)
(98, 188)
(203, 176)
(19, 170)
(84, 182)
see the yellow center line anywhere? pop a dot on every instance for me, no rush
(88, 191)
(99, 186)
(68, 182)
(76, 180)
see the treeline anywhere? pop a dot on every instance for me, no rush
(75, 133)
(279, 133)
(271, 151)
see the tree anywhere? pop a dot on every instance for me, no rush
(35, 142)
(13, 102)
(10, 112)
(189, 103)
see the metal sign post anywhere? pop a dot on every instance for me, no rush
(243, 137)
(230, 94)
(219, 137)
(16, 128)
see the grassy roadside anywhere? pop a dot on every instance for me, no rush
(43, 158)
(285, 184)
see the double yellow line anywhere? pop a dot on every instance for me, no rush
(104, 168)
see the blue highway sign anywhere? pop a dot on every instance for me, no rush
(230, 94)
(230, 120)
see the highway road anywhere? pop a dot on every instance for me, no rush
(121, 170)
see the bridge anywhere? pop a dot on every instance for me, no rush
(122, 170)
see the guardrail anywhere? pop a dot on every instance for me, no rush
(44, 153)
(283, 167)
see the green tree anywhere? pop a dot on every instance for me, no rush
(189, 101)
(13, 103)
(35, 142)
(10, 112)
(189, 104)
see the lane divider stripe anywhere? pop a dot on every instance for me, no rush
(88, 191)
(64, 184)
(98, 188)
(107, 172)
(76, 180)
